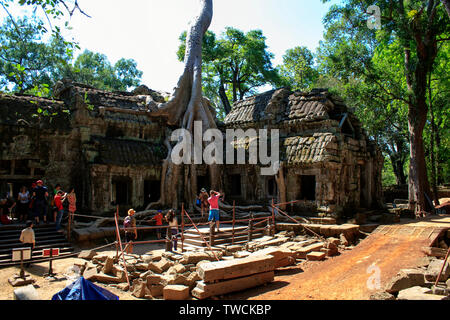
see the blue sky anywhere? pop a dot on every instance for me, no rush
(148, 30)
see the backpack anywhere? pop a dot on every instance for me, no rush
(127, 222)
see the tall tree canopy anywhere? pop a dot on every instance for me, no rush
(235, 65)
(96, 70)
(26, 60)
(29, 64)
(418, 28)
(298, 70)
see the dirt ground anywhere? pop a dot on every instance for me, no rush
(47, 287)
(344, 277)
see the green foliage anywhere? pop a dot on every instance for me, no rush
(368, 68)
(25, 60)
(238, 63)
(95, 69)
(297, 70)
(30, 65)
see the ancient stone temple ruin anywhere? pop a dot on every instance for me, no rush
(328, 162)
(103, 144)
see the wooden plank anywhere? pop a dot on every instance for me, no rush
(206, 290)
(223, 270)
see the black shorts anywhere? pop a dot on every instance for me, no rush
(130, 236)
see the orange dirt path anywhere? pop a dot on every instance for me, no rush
(346, 277)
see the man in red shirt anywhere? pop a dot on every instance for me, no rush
(214, 213)
(59, 198)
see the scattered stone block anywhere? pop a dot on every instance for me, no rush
(192, 279)
(173, 279)
(223, 270)
(316, 256)
(142, 266)
(424, 262)
(153, 279)
(434, 252)
(274, 242)
(441, 290)
(156, 290)
(87, 254)
(302, 252)
(123, 286)
(104, 278)
(90, 274)
(434, 268)
(283, 257)
(108, 266)
(419, 293)
(139, 289)
(233, 248)
(241, 254)
(100, 258)
(382, 296)
(206, 290)
(406, 278)
(26, 293)
(343, 239)
(176, 292)
(196, 257)
(176, 269)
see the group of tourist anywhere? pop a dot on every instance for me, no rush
(211, 200)
(34, 205)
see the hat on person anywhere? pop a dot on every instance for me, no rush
(159, 211)
(39, 181)
(203, 190)
(131, 211)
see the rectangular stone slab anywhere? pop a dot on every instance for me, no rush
(206, 290)
(223, 270)
(302, 252)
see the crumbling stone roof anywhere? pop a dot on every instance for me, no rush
(32, 111)
(127, 152)
(319, 147)
(284, 105)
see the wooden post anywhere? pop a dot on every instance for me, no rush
(116, 218)
(234, 219)
(182, 228)
(69, 227)
(273, 219)
(250, 228)
(211, 233)
(22, 271)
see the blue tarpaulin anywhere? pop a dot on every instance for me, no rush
(83, 289)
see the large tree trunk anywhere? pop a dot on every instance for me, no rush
(224, 98)
(419, 187)
(186, 106)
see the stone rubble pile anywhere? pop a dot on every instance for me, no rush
(175, 276)
(419, 283)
